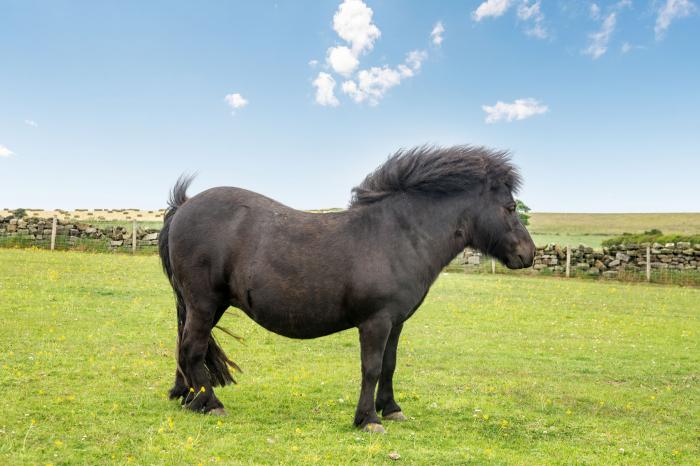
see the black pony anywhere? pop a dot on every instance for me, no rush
(306, 275)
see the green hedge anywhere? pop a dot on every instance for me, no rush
(651, 236)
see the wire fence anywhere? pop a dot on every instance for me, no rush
(110, 236)
(653, 263)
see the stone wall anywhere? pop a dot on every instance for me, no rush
(38, 231)
(609, 261)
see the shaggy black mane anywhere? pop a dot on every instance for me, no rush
(436, 170)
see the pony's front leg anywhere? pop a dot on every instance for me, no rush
(386, 404)
(374, 333)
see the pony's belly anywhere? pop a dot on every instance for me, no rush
(297, 325)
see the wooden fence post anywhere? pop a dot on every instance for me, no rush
(133, 238)
(648, 263)
(568, 261)
(53, 233)
(493, 265)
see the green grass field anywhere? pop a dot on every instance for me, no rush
(614, 224)
(492, 369)
(592, 229)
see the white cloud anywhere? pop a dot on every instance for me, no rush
(436, 35)
(313, 63)
(31, 123)
(533, 13)
(374, 83)
(5, 152)
(670, 11)
(599, 39)
(353, 23)
(491, 8)
(537, 30)
(626, 47)
(351, 89)
(235, 101)
(527, 11)
(325, 85)
(518, 110)
(342, 60)
(595, 11)
(415, 59)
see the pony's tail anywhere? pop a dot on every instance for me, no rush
(216, 361)
(178, 196)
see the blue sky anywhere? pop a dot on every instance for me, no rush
(104, 104)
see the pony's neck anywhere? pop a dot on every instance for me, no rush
(436, 227)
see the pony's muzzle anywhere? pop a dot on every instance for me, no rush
(523, 256)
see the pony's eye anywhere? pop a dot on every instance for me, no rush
(511, 208)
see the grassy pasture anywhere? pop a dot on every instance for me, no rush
(614, 224)
(593, 229)
(492, 369)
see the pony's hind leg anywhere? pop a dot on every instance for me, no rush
(180, 388)
(192, 352)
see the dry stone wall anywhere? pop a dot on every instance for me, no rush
(38, 230)
(609, 261)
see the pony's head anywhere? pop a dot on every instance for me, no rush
(496, 228)
(478, 182)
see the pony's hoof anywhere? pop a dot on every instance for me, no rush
(218, 412)
(395, 416)
(374, 428)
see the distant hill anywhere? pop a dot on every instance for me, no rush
(609, 224)
(96, 215)
(592, 229)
